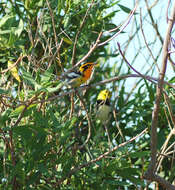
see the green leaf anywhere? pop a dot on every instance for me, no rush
(19, 29)
(17, 111)
(20, 109)
(12, 39)
(46, 76)
(5, 31)
(114, 3)
(125, 9)
(5, 116)
(28, 77)
(24, 131)
(110, 15)
(60, 3)
(116, 182)
(2, 91)
(53, 89)
(139, 154)
(66, 40)
(5, 19)
(150, 90)
(172, 80)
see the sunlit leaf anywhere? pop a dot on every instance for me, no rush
(5, 19)
(19, 29)
(20, 109)
(14, 71)
(66, 40)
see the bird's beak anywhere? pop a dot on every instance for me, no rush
(96, 64)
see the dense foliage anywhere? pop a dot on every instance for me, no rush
(49, 140)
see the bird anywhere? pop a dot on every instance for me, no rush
(77, 78)
(103, 106)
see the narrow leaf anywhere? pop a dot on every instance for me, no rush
(125, 9)
(14, 71)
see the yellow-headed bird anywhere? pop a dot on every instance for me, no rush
(103, 105)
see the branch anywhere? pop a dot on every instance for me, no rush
(25, 108)
(167, 10)
(71, 90)
(150, 173)
(144, 37)
(88, 119)
(53, 23)
(100, 157)
(122, 28)
(78, 33)
(153, 23)
(131, 65)
(117, 78)
(18, 60)
(86, 56)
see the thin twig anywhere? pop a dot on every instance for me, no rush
(52, 57)
(144, 37)
(131, 65)
(87, 55)
(153, 4)
(107, 133)
(58, 54)
(100, 157)
(117, 78)
(72, 105)
(122, 28)
(160, 159)
(88, 119)
(40, 19)
(167, 101)
(53, 23)
(18, 60)
(165, 155)
(117, 125)
(153, 23)
(79, 31)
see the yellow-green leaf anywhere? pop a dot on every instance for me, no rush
(66, 40)
(13, 71)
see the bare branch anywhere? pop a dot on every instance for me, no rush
(153, 23)
(131, 65)
(144, 37)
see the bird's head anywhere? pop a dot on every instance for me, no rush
(104, 95)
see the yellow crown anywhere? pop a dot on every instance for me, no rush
(104, 94)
